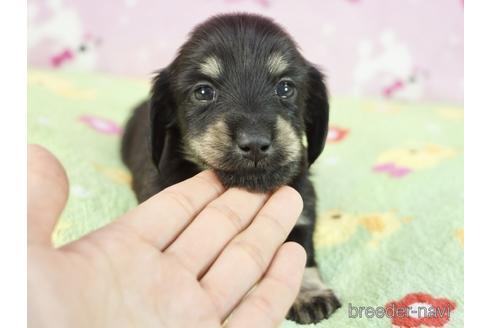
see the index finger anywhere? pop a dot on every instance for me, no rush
(160, 219)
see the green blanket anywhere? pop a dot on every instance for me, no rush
(389, 183)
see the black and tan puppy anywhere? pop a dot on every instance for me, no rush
(239, 99)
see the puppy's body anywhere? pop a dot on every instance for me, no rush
(238, 99)
(146, 179)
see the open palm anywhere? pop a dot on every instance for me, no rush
(188, 257)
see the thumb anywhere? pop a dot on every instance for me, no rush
(47, 193)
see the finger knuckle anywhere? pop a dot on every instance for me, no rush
(212, 183)
(274, 224)
(227, 214)
(183, 201)
(254, 252)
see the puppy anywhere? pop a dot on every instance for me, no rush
(241, 100)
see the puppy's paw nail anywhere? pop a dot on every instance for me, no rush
(312, 306)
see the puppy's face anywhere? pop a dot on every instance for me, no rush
(240, 91)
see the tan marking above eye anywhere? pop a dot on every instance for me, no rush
(211, 67)
(276, 64)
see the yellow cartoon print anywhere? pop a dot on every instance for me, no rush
(459, 234)
(452, 114)
(399, 162)
(60, 86)
(383, 107)
(118, 175)
(336, 227)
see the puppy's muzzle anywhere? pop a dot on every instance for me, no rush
(254, 146)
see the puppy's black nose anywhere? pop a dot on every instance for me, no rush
(254, 147)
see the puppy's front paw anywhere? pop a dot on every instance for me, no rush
(312, 306)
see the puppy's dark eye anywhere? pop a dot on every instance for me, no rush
(285, 89)
(204, 93)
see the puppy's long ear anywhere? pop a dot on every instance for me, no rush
(316, 114)
(163, 129)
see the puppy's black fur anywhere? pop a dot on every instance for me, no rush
(239, 99)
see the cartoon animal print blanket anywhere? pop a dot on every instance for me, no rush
(389, 237)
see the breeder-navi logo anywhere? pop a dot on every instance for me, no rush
(416, 310)
(413, 310)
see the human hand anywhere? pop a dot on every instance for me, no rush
(187, 257)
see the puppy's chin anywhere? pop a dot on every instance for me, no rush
(264, 177)
(260, 180)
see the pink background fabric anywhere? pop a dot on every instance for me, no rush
(403, 49)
